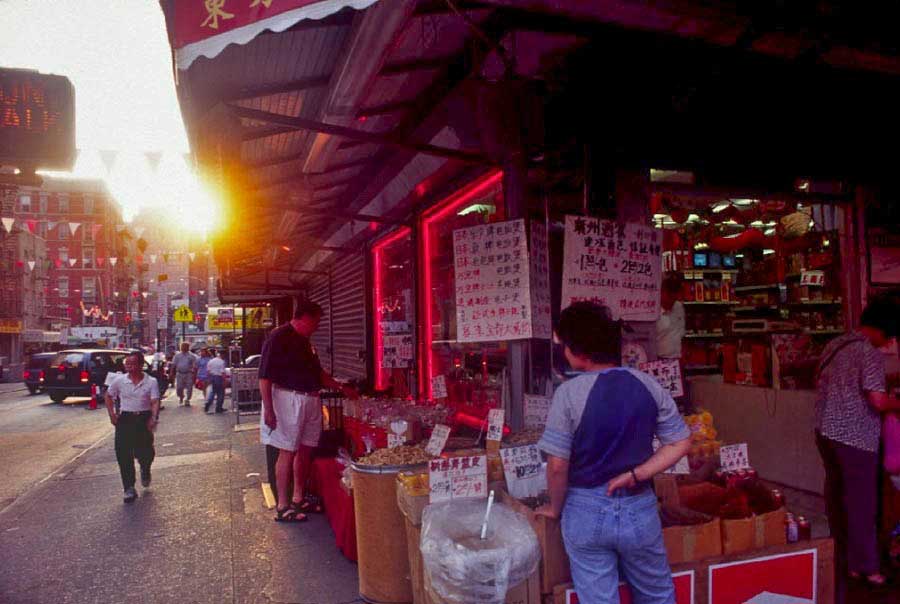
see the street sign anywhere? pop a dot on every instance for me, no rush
(183, 314)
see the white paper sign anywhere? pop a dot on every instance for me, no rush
(491, 270)
(495, 424)
(162, 313)
(457, 478)
(536, 410)
(439, 387)
(813, 278)
(395, 440)
(438, 439)
(540, 282)
(668, 373)
(525, 472)
(396, 351)
(618, 265)
(734, 457)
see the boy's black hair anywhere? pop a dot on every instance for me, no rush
(881, 313)
(307, 308)
(588, 329)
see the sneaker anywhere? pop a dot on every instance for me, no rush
(145, 479)
(187, 403)
(180, 402)
(130, 495)
(206, 408)
(220, 410)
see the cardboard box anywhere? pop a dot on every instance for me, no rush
(554, 567)
(756, 532)
(692, 543)
(666, 488)
(416, 565)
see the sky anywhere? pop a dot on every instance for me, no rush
(116, 53)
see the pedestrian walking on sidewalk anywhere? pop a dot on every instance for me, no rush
(290, 377)
(184, 368)
(601, 463)
(202, 374)
(135, 421)
(215, 369)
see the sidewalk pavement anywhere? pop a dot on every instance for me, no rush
(8, 387)
(200, 534)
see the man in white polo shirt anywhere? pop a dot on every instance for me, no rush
(135, 421)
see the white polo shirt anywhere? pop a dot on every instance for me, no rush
(216, 366)
(134, 397)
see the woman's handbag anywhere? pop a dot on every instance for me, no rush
(891, 434)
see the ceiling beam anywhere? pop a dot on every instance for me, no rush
(254, 92)
(404, 67)
(251, 134)
(385, 109)
(300, 123)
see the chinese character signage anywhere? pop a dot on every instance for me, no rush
(524, 470)
(37, 120)
(668, 373)
(734, 457)
(495, 424)
(457, 478)
(536, 410)
(439, 386)
(493, 299)
(814, 278)
(438, 439)
(540, 282)
(614, 264)
(396, 351)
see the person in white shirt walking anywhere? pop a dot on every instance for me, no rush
(215, 369)
(184, 369)
(135, 421)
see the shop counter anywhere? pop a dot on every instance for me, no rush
(326, 483)
(777, 425)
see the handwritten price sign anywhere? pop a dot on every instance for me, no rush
(536, 410)
(438, 439)
(524, 471)
(734, 457)
(667, 373)
(457, 478)
(495, 424)
(439, 386)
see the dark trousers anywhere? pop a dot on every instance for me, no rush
(133, 440)
(217, 391)
(851, 501)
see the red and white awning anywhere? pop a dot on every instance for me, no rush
(203, 28)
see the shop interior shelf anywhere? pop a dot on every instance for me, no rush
(823, 332)
(817, 303)
(704, 335)
(747, 288)
(752, 308)
(718, 271)
(700, 367)
(719, 303)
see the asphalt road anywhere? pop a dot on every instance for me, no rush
(38, 437)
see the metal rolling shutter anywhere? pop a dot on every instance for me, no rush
(344, 321)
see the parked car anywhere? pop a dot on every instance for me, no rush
(74, 372)
(36, 371)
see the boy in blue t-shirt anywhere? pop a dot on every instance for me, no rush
(599, 440)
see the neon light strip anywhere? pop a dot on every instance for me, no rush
(377, 257)
(443, 208)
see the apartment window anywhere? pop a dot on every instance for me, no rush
(43, 203)
(88, 204)
(88, 292)
(42, 228)
(88, 260)
(25, 203)
(62, 230)
(64, 254)
(88, 229)
(63, 201)
(63, 285)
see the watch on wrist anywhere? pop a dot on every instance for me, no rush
(635, 476)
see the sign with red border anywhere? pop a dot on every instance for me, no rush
(782, 579)
(684, 590)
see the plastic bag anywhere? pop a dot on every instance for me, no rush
(463, 568)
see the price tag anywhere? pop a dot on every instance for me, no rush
(439, 387)
(812, 278)
(536, 410)
(525, 472)
(395, 440)
(734, 457)
(438, 440)
(667, 373)
(495, 424)
(457, 478)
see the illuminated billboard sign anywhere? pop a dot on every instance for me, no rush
(37, 120)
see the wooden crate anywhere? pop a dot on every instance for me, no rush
(554, 567)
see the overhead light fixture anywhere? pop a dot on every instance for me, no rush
(286, 248)
(767, 252)
(478, 207)
(701, 246)
(720, 206)
(757, 223)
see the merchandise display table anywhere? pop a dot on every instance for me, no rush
(326, 483)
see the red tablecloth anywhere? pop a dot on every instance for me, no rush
(326, 483)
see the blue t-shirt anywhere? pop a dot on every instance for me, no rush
(201, 368)
(604, 422)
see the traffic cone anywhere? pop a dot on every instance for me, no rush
(93, 403)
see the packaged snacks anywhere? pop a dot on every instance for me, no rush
(398, 456)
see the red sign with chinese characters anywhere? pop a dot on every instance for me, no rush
(197, 20)
(37, 120)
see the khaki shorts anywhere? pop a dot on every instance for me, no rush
(299, 420)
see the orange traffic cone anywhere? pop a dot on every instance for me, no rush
(93, 403)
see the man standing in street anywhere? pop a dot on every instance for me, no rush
(215, 369)
(202, 374)
(135, 421)
(290, 377)
(184, 368)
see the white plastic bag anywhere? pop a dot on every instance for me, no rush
(463, 568)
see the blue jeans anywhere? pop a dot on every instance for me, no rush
(217, 391)
(613, 537)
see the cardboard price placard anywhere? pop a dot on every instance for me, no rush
(525, 473)
(457, 478)
(439, 386)
(668, 373)
(495, 424)
(394, 440)
(438, 439)
(813, 278)
(734, 457)
(537, 408)
(396, 351)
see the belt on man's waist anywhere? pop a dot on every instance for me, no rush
(300, 392)
(147, 412)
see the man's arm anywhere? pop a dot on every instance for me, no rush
(111, 404)
(329, 382)
(265, 389)
(154, 414)
(883, 402)
(557, 486)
